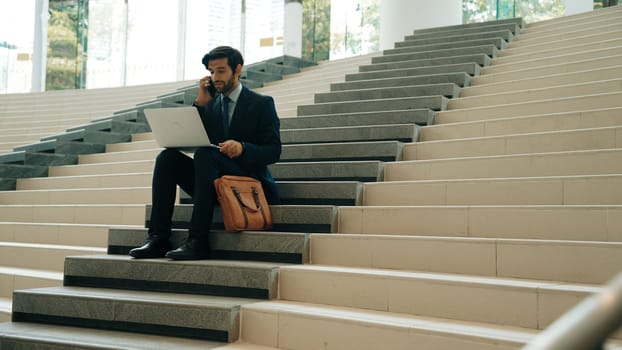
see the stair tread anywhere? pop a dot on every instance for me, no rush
(447, 278)
(100, 339)
(132, 296)
(389, 319)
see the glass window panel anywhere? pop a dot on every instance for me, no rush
(16, 44)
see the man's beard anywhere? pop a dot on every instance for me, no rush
(228, 87)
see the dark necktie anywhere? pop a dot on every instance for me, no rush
(224, 111)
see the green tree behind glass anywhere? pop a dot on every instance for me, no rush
(316, 30)
(529, 10)
(67, 33)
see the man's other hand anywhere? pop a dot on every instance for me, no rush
(231, 148)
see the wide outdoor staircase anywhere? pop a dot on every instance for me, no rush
(459, 191)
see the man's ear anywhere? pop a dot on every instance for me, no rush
(238, 70)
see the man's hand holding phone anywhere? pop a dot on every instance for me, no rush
(206, 92)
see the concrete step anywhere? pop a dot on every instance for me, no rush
(413, 116)
(181, 315)
(449, 90)
(437, 103)
(54, 234)
(481, 59)
(38, 158)
(518, 21)
(12, 278)
(49, 257)
(498, 42)
(285, 218)
(552, 141)
(62, 147)
(270, 246)
(489, 50)
(15, 171)
(206, 277)
(550, 260)
(531, 304)
(503, 34)
(310, 326)
(7, 184)
(340, 135)
(513, 27)
(520, 125)
(552, 190)
(34, 336)
(461, 79)
(567, 67)
(320, 192)
(544, 106)
(471, 69)
(559, 222)
(536, 94)
(532, 63)
(590, 162)
(544, 81)
(328, 171)
(91, 214)
(123, 195)
(86, 181)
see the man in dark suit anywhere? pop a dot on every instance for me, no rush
(245, 126)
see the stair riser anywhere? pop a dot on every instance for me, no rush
(588, 88)
(536, 191)
(579, 40)
(415, 116)
(398, 132)
(499, 43)
(527, 259)
(519, 125)
(538, 222)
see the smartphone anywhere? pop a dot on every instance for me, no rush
(211, 89)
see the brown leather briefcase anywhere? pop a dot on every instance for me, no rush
(243, 203)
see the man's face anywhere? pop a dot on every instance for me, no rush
(225, 80)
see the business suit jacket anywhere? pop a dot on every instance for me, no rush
(256, 124)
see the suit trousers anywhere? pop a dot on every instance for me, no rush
(195, 175)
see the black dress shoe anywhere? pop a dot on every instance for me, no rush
(192, 249)
(154, 247)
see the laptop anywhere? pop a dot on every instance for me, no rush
(179, 127)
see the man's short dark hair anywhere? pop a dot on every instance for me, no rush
(234, 57)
